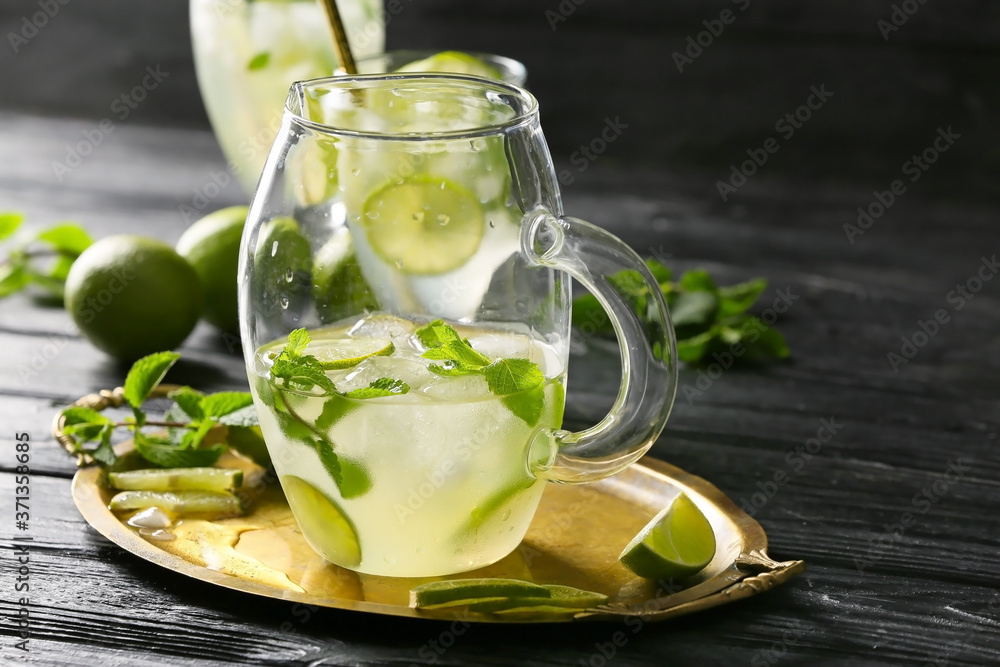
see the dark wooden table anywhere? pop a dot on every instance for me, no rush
(894, 507)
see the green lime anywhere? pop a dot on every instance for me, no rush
(132, 296)
(171, 479)
(282, 265)
(323, 524)
(178, 502)
(678, 542)
(453, 591)
(339, 288)
(564, 597)
(212, 247)
(338, 353)
(425, 225)
(453, 62)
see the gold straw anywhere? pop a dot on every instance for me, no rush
(339, 37)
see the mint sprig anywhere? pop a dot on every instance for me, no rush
(707, 318)
(519, 381)
(42, 259)
(188, 422)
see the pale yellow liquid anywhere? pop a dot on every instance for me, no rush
(448, 461)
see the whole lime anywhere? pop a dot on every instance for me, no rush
(131, 296)
(212, 247)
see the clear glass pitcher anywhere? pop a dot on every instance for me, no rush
(405, 278)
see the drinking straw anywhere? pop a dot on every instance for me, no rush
(339, 37)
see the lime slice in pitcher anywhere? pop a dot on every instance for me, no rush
(424, 225)
(339, 353)
(453, 62)
(323, 524)
(678, 542)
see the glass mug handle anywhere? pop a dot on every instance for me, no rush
(648, 352)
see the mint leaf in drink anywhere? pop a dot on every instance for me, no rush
(509, 376)
(9, 223)
(379, 388)
(143, 377)
(355, 480)
(223, 403)
(297, 342)
(188, 401)
(298, 371)
(436, 334)
(334, 408)
(259, 61)
(461, 355)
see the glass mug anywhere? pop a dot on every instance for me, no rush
(412, 226)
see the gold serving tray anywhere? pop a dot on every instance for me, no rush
(574, 539)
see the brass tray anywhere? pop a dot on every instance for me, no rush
(575, 539)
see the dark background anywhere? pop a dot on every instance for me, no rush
(614, 60)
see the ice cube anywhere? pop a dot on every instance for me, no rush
(413, 373)
(461, 389)
(382, 326)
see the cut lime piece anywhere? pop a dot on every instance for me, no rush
(339, 353)
(178, 502)
(678, 542)
(473, 590)
(323, 523)
(425, 225)
(177, 479)
(563, 597)
(453, 62)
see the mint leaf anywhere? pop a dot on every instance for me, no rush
(67, 238)
(697, 280)
(163, 453)
(436, 334)
(243, 417)
(105, 453)
(259, 61)
(84, 423)
(9, 222)
(297, 342)
(355, 480)
(144, 375)
(189, 402)
(379, 388)
(225, 402)
(509, 376)
(693, 308)
(660, 272)
(192, 439)
(334, 409)
(694, 348)
(527, 405)
(736, 299)
(768, 343)
(299, 371)
(13, 278)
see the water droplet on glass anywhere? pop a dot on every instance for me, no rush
(505, 515)
(418, 217)
(442, 185)
(399, 264)
(283, 302)
(289, 276)
(492, 224)
(389, 560)
(443, 219)
(372, 215)
(395, 91)
(355, 171)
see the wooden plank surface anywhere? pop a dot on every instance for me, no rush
(917, 597)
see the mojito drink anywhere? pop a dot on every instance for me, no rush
(405, 462)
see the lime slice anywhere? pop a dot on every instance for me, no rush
(179, 502)
(171, 479)
(453, 62)
(424, 225)
(339, 353)
(456, 591)
(561, 597)
(323, 523)
(678, 542)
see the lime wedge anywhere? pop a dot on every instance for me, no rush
(453, 62)
(456, 591)
(424, 225)
(171, 479)
(323, 524)
(678, 542)
(179, 502)
(339, 353)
